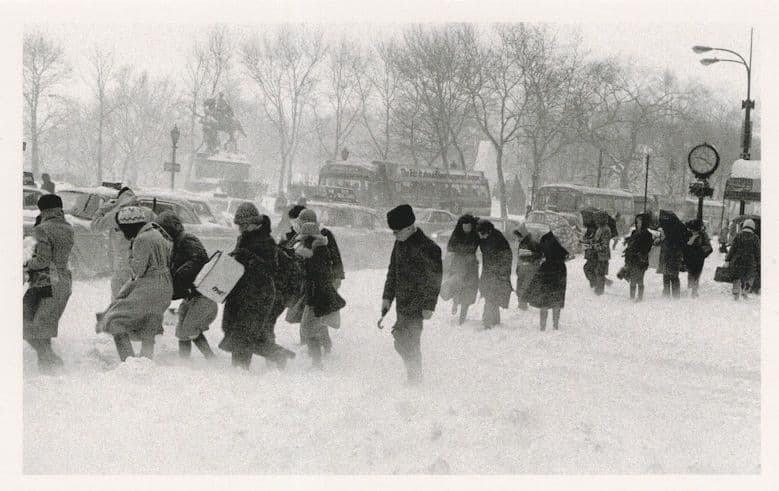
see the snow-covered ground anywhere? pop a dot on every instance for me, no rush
(658, 387)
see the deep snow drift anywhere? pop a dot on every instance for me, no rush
(659, 387)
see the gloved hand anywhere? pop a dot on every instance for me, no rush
(427, 314)
(385, 306)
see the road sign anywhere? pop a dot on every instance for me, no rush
(171, 167)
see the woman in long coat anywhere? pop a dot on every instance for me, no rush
(673, 240)
(547, 288)
(495, 281)
(463, 271)
(137, 312)
(696, 250)
(247, 309)
(744, 259)
(320, 297)
(50, 280)
(636, 253)
(528, 260)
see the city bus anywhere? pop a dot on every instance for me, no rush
(570, 199)
(383, 185)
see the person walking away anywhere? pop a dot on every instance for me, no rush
(601, 242)
(547, 288)
(336, 263)
(590, 250)
(47, 184)
(528, 259)
(320, 298)
(463, 270)
(744, 259)
(247, 308)
(697, 249)
(495, 281)
(105, 220)
(50, 281)
(413, 283)
(672, 242)
(196, 312)
(636, 253)
(137, 312)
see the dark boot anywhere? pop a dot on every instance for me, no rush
(675, 288)
(556, 318)
(640, 296)
(185, 348)
(124, 348)
(544, 314)
(241, 359)
(147, 348)
(202, 344)
(632, 290)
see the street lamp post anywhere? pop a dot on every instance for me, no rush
(748, 104)
(173, 167)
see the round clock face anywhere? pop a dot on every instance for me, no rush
(703, 160)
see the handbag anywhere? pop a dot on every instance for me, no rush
(218, 277)
(724, 274)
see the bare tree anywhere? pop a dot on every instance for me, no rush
(102, 81)
(44, 67)
(283, 66)
(379, 87)
(492, 77)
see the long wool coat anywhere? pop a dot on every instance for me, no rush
(639, 243)
(495, 281)
(696, 250)
(547, 288)
(414, 275)
(528, 260)
(319, 293)
(744, 255)
(54, 241)
(248, 307)
(141, 303)
(463, 266)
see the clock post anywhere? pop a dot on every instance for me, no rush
(703, 160)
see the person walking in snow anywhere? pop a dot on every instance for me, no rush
(673, 239)
(462, 277)
(137, 312)
(196, 312)
(105, 220)
(413, 283)
(744, 259)
(547, 288)
(696, 250)
(600, 246)
(588, 241)
(50, 280)
(636, 253)
(528, 260)
(495, 281)
(321, 301)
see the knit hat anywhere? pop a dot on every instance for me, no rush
(131, 214)
(748, 223)
(294, 212)
(247, 213)
(400, 217)
(49, 201)
(307, 216)
(171, 223)
(309, 228)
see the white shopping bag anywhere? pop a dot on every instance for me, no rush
(218, 277)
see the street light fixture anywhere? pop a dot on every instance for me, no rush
(747, 104)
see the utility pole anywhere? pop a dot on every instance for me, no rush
(600, 166)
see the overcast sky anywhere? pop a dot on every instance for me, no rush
(161, 48)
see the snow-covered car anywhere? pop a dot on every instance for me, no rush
(539, 222)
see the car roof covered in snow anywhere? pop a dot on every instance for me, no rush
(99, 190)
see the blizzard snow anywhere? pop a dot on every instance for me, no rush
(658, 387)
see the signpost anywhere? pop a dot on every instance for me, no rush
(172, 166)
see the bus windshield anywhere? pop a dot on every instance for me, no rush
(558, 199)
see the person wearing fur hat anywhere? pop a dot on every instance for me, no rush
(463, 266)
(495, 281)
(413, 283)
(137, 311)
(321, 300)
(196, 312)
(696, 250)
(247, 309)
(744, 259)
(50, 280)
(105, 220)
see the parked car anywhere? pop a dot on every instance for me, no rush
(436, 223)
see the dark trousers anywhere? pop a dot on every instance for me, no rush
(491, 315)
(601, 268)
(671, 285)
(407, 333)
(693, 280)
(637, 284)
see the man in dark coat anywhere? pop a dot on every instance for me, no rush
(196, 312)
(636, 254)
(462, 276)
(744, 259)
(413, 282)
(495, 281)
(547, 288)
(696, 250)
(54, 241)
(674, 238)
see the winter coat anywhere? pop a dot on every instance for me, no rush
(495, 281)
(248, 307)
(187, 259)
(54, 241)
(528, 260)
(639, 243)
(119, 246)
(319, 293)
(601, 242)
(414, 275)
(463, 266)
(673, 242)
(141, 303)
(547, 288)
(744, 255)
(336, 262)
(696, 250)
